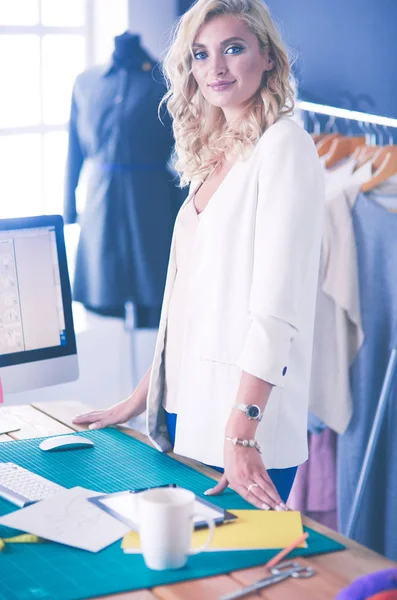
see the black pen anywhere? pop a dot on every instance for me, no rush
(164, 485)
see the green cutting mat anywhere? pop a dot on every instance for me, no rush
(117, 462)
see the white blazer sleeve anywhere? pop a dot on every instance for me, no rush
(287, 230)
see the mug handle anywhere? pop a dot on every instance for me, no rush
(211, 531)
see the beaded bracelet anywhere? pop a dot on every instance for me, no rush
(247, 443)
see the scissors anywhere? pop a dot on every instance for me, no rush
(283, 571)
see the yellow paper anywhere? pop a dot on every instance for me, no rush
(252, 530)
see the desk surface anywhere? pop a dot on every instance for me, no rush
(333, 571)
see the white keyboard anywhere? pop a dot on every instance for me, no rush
(22, 487)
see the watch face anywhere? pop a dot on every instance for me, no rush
(253, 411)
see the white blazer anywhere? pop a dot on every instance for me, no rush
(251, 303)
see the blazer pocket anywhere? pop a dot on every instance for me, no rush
(222, 360)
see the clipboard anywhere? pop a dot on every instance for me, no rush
(122, 506)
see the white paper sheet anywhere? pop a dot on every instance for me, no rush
(8, 427)
(68, 518)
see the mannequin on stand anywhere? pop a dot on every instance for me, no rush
(132, 199)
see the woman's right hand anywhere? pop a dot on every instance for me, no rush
(120, 412)
(115, 415)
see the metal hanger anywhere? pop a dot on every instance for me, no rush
(316, 133)
(389, 134)
(379, 134)
(384, 165)
(332, 133)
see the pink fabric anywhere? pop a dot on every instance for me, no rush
(314, 489)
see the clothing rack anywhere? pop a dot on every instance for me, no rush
(373, 438)
(344, 113)
(389, 378)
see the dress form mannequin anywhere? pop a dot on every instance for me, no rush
(132, 198)
(128, 52)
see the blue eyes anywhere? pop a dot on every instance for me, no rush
(236, 50)
(199, 55)
(230, 51)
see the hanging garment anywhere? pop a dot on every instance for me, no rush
(132, 198)
(375, 229)
(314, 489)
(337, 337)
(338, 332)
(343, 174)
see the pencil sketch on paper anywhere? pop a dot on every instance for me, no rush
(68, 518)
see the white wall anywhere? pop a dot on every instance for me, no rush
(111, 359)
(104, 352)
(110, 18)
(152, 19)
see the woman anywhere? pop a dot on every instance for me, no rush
(235, 336)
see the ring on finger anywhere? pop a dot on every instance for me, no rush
(252, 485)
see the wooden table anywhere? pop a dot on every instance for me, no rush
(333, 571)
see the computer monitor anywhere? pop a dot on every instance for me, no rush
(37, 339)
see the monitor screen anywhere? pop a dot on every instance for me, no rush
(36, 321)
(31, 307)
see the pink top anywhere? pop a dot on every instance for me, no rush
(185, 235)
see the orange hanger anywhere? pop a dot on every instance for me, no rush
(341, 148)
(381, 153)
(363, 154)
(325, 143)
(384, 166)
(317, 137)
(357, 152)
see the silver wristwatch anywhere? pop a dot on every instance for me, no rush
(252, 411)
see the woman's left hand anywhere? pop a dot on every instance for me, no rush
(245, 473)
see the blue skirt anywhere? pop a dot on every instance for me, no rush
(282, 478)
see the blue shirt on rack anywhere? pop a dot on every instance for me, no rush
(375, 230)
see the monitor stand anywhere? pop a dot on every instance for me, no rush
(6, 426)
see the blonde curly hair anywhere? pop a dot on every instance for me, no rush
(202, 135)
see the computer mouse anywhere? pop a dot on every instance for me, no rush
(65, 442)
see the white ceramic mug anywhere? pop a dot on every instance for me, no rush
(166, 527)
